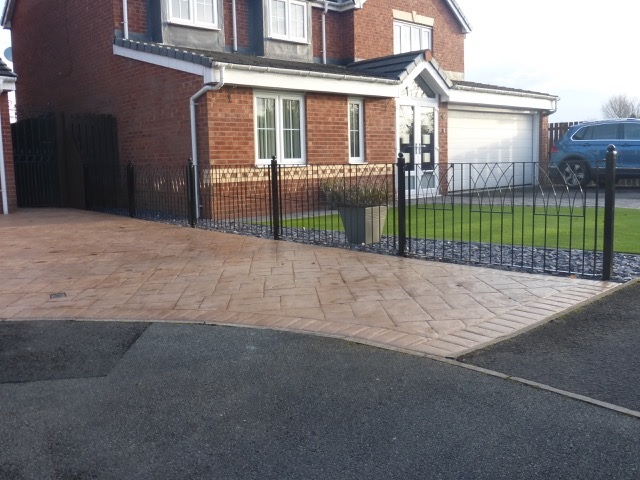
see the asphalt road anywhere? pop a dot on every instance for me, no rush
(593, 351)
(167, 401)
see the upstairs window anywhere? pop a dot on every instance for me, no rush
(200, 13)
(288, 20)
(410, 37)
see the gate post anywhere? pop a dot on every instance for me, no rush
(192, 204)
(609, 211)
(402, 207)
(275, 199)
(131, 189)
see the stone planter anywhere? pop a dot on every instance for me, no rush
(363, 225)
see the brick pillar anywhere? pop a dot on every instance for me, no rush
(8, 153)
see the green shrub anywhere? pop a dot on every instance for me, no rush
(357, 192)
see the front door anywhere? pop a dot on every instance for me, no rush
(417, 142)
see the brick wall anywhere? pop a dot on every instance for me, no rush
(151, 103)
(544, 140)
(443, 134)
(374, 30)
(379, 128)
(242, 23)
(327, 129)
(8, 154)
(231, 132)
(339, 42)
(136, 14)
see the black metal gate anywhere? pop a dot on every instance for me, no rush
(35, 157)
(52, 154)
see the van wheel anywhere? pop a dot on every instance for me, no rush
(575, 173)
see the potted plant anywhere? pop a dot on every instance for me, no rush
(362, 205)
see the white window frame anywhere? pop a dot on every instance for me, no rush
(194, 22)
(279, 97)
(424, 37)
(288, 35)
(360, 158)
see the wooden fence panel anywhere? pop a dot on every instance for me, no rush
(556, 130)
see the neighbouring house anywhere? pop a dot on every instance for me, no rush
(235, 82)
(8, 199)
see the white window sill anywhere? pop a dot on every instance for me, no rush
(200, 26)
(299, 41)
(259, 164)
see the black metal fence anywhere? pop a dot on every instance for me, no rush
(510, 215)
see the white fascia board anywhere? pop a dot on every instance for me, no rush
(8, 84)
(273, 78)
(500, 100)
(466, 27)
(436, 82)
(341, 7)
(7, 13)
(300, 81)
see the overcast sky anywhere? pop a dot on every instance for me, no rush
(574, 50)
(583, 52)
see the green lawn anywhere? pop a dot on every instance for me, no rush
(559, 228)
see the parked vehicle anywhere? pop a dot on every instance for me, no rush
(582, 150)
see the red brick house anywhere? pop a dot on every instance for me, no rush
(8, 200)
(233, 82)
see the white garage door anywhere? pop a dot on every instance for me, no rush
(491, 149)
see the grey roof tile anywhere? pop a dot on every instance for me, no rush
(5, 71)
(207, 58)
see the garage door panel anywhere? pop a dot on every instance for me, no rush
(495, 139)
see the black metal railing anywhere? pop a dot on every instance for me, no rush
(510, 215)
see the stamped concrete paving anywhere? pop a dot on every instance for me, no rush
(71, 264)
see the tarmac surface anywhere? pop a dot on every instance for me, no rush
(140, 371)
(107, 400)
(592, 351)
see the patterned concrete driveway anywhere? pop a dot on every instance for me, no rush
(72, 264)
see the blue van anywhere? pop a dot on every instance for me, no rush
(583, 148)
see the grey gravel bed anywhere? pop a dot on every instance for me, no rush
(587, 264)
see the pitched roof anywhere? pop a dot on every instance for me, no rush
(399, 66)
(210, 58)
(389, 69)
(5, 71)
